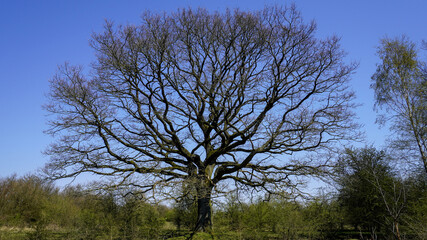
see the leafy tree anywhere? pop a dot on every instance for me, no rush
(130, 218)
(139, 220)
(416, 219)
(204, 98)
(374, 198)
(291, 221)
(356, 192)
(324, 218)
(185, 208)
(400, 84)
(231, 215)
(24, 201)
(257, 216)
(93, 220)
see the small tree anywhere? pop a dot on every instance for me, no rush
(203, 98)
(185, 208)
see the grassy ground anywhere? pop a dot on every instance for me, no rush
(11, 233)
(29, 234)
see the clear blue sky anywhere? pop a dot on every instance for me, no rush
(37, 36)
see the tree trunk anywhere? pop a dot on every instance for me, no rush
(396, 225)
(204, 206)
(204, 215)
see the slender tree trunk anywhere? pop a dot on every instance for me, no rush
(396, 225)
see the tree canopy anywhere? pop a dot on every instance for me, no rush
(203, 98)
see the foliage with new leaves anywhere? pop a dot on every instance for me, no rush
(76, 213)
(375, 199)
(358, 171)
(400, 84)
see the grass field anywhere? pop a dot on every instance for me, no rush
(11, 233)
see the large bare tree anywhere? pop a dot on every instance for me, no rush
(203, 98)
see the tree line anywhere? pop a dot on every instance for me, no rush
(371, 201)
